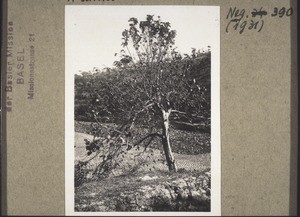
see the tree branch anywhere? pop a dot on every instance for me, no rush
(152, 135)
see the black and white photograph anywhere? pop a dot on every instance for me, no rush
(142, 110)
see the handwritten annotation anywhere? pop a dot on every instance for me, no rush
(240, 21)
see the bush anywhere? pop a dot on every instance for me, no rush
(81, 172)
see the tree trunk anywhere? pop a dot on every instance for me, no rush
(166, 141)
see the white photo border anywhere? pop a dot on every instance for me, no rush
(215, 127)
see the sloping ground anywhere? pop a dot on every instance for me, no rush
(143, 183)
(151, 192)
(151, 160)
(183, 141)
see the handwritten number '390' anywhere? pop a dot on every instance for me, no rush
(237, 19)
(282, 12)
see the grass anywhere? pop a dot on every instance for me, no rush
(183, 142)
(93, 196)
(192, 155)
(150, 160)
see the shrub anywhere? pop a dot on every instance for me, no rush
(81, 172)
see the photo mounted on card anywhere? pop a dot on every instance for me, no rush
(142, 92)
(149, 108)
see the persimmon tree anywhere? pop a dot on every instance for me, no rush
(162, 81)
(151, 85)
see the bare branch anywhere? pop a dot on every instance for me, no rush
(148, 136)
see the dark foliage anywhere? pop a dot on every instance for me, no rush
(151, 86)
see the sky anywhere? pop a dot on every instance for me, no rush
(93, 33)
(93, 36)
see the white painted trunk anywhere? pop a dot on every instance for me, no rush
(166, 141)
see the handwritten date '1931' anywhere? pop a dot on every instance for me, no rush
(240, 21)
